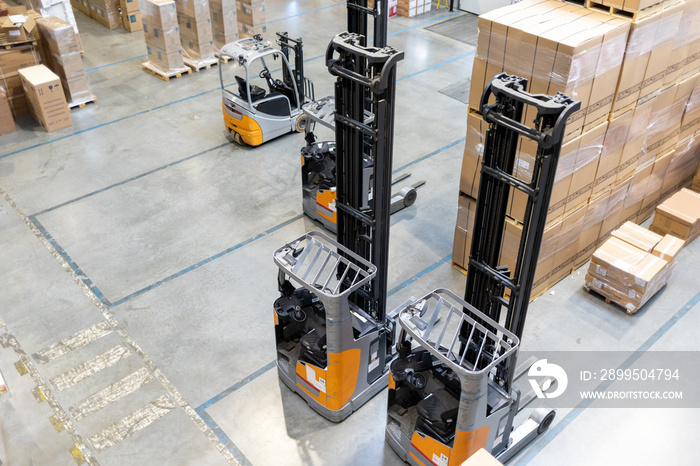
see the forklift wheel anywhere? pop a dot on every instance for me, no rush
(543, 418)
(300, 125)
(237, 138)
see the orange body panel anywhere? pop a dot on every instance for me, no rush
(428, 447)
(343, 369)
(303, 370)
(324, 200)
(392, 382)
(468, 443)
(249, 129)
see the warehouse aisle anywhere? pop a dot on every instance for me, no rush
(138, 279)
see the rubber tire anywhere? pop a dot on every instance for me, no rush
(237, 138)
(300, 124)
(546, 422)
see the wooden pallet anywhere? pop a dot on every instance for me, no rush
(224, 58)
(165, 76)
(198, 65)
(459, 267)
(600, 6)
(92, 99)
(608, 300)
(5, 43)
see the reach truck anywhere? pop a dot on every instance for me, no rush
(451, 387)
(318, 159)
(335, 338)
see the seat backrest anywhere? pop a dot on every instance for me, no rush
(242, 87)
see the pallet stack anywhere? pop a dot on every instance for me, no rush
(224, 22)
(196, 37)
(15, 55)
(411, 8)
(131, 15)
(57, 8)
(251, 17)
(160, 28)
(61, 53)
(631, 266)
(634, 142)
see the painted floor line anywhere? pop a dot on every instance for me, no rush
(69, 261)
(427, 156)
(437, 66)
(133, 178)
(115, 63)
(206, 261)
(306, 13)
(240, 384)
(223, 438)
(143, 112)
(557, 429)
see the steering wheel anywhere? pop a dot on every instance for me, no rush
(417, 379)
(265, 73)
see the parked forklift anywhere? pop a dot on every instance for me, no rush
(335, 338)
(318, 158)
(451, 388)
(265, 103)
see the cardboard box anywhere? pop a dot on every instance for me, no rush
(164, 59)
(252, 14)
(473, 155)
(133, 21)
(696, 181)
(637, 190)
(482, 458)
(164, 39)
(665, 122)
(590, 232)
(81, 5)
(20, 31)
(568, 242)
(615, 208)
(690, 122)
(16, 58)
(668, 248)
(245, 30)
(466, 210)
(682, 166)
(663, 45)
(60, 37)
(223, 22)
(587, 160)
(129, 6)
(47, 103)
(653, 191)
(613, 145)
(635, 143)
(161, 14)
(679, 216)
(7, 123)
(637, 236)
(105, 12)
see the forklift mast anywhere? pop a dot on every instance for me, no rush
(358, 12)
(363, 215)
(486, 280)
(297, 79)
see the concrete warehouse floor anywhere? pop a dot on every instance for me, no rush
(146, 225)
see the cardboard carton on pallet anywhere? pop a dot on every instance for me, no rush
(7, 123)
(47, 102)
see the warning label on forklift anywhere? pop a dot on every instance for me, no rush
(440, 460)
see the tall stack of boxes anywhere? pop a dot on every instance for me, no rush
(131, 15)
(62, 56)
(224, 23)
(411, 8)
(251, 17)
(162, 35)
(194, 22)
(632, 144)
(106, 12)
(7, 123)
(12, 60)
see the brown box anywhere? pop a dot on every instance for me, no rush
(105, 12)
(47, 103)
(590, 232)
(682, 166)
(473, 155)
(613, 144)
(164, 59)
(466, 210)
(245, 30)
(696, 181)
(682, 39)
(615, 208)
(587, 159)
(132, 21)
(631, 5)
(636, 137)
(17, 32)
(668, 248)
(637, 236)
(482, 458)
(81, 5)
(679, 216)
(653, 191)
(662, 48)
(7, 123)
(568, 244)
(637, 190)
(16, 58)
(60, 36)
(129, 6)
(690, 123)
(198, 9)
(250, 13)
(223, 22)
(665, 122)
(160, 14)
(164, 39)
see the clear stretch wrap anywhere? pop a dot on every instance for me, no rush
(223, 22)
(196, 32)
(160, 28)
(64, 58)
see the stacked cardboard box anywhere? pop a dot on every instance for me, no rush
(620, 158)
(392, 7)
(162, 35)
(12, 60)
(194, 22)
(696, 182)
(224, 23)
(47, 103)
(631, 266)
(106, 12)
(7, 123)
(679, 215)
(411, 8)
(251, 17)
(81, 5)
(63, 58)
(131, 15)
(58, 8)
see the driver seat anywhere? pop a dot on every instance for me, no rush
(437, 414)
(313, 346)
(256, 92)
